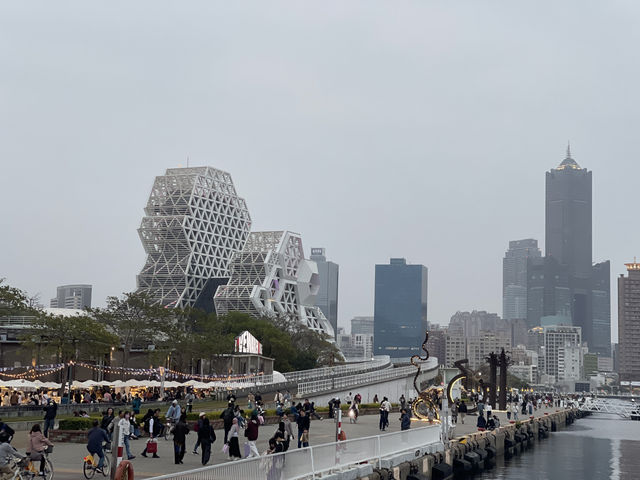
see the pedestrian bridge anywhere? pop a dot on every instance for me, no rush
(614, 407)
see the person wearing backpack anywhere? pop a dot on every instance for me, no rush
(227, 417)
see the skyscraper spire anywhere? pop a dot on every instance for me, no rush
(569, 162)
(568, 149)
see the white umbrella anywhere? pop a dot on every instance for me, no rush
(172, 384)
(133, 383)
(19, 383)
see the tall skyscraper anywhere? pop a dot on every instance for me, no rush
(400, 311)
(194, 223)
(362, 326)
(72, 296)
(327, 298)
(514, 277)
(628, 351)
(565, 283)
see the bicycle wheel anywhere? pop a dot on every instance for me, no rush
(48, 469)
(106, 468)
(88, 470)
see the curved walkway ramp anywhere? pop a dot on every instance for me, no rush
(615, 407)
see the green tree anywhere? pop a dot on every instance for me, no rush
(70, 338)
(13, 301)
(136, 320)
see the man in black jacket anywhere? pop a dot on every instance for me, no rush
(227, 416)
(304, 422)
(49, 416)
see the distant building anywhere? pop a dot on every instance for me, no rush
(437, 344)
(565, 282)
(362, 334)
(479, 347)
(558, 344)
(400, 312)
(628, 351)
(328, 273)
(194, 223)
(72, 296)
(514, 277)
(362, 325)
(455, 348)
(270, 277)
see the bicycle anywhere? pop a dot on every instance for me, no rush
(32, 469)
(90, 466)
(19, 468)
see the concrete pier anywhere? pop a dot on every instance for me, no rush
(474, 451)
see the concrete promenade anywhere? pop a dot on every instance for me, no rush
(67, 457)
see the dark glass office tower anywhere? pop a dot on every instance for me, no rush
(566, 283)
(400, 310)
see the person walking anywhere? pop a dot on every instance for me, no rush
(190, 397)
(514, 409)
(304, 422)
(462, 410)
(50, 412)
(107, 419)
(251, 432)
(154, 427)
(207, 436)
(386, 405)
(180, 432)
(197, 429)
(227, 417)
(454, 412)
(125, 433)
(234, 440)
(405, 420)
(288, 432)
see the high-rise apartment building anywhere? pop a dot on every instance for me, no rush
(72, 296)
(557, 343)
(628, 350)
(565, 283)
(400, 308)
(514, 277)
(437, 344)
(480, 346)
(328, 273)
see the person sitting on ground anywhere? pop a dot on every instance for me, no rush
(482, 423)
(38, 443)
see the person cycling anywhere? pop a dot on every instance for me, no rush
(7, 453)
(38, 443)
(94, 444)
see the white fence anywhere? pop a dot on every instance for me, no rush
(338, 370)
(308, 463)
(350, 381)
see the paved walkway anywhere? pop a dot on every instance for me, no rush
(67, 457)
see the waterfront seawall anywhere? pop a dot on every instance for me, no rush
(467, 454)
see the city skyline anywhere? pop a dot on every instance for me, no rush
(401, 159)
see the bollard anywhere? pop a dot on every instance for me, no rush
(116, 453)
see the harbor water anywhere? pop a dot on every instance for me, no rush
(597, 447)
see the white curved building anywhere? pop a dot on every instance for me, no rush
(271, 277)
(195, 222)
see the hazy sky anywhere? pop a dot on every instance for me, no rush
(375, 129)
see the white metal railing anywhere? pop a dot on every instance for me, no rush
(622, 408)
(317, 460)
(363, 378)
(337, 370)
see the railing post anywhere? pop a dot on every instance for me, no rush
(379, 452)
(313, 468)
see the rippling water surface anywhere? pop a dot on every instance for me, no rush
(596, 447)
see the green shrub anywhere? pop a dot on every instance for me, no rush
(79, 423)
